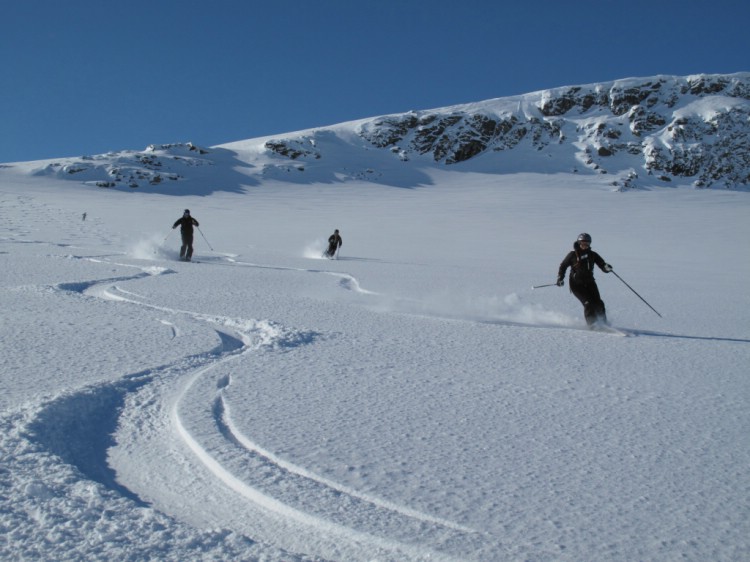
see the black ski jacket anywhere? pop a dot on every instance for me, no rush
(581, 263)
(186, 224)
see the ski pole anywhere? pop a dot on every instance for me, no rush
(636, 294)
(165, 239)
(540, 286)
(204, 237)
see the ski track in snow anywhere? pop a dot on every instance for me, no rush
(346, 280)
(178, 411)
(63, 450)
(147, 411)
(165, 411)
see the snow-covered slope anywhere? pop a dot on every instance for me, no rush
(639, 132)
(413, 400)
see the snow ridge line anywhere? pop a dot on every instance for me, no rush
(347, 281)
(276, 506)
(47, 497)
(266, 501)
(252, 335)
(56, 422)
(237, 435)
(350, 282)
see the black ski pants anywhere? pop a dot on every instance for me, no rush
(593, 305)
(186, 251)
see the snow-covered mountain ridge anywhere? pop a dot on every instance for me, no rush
(640, 132)
(694, 127)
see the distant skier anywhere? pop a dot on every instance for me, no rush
(186, 224)
(84, 217)
(334, 243)
(582, 283)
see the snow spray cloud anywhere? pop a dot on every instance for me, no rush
(314, 250)
(509, 309)
(152, 248)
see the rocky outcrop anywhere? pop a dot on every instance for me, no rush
(153, 166)
(693, 127)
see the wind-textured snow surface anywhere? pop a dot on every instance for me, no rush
(414, 399)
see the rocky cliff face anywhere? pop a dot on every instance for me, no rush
(695, 127)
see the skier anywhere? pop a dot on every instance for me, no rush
(334, 243)
(186, 224)
(582, 284)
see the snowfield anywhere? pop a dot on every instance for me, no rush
(412, 400)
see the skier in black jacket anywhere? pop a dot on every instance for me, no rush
(582, 283)
(186, 229)
(334, 243)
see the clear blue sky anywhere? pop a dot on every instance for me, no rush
(91, 76)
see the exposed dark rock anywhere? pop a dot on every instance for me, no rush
(293, 149)
(635, 117)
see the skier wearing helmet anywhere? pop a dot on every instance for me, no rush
(186, 224)
(581, 261)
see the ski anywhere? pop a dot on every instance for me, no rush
(606, 329)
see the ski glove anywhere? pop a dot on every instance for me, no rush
(607, 268)
(560, 281)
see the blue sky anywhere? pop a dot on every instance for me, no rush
(91, 76)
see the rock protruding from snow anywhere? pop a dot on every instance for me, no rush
(671, 127)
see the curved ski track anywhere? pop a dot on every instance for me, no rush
(175, 416)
